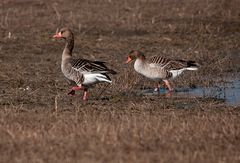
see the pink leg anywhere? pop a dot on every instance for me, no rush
(169, 94)
(164, 85)
(72, 92)
(76, 88)
(168, 85)
(85, 94)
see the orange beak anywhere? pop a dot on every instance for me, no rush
(58, 35)
(128, 60)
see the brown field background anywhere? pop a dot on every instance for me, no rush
(40, 123)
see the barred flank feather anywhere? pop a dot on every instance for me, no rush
(168, 64)
(159, 60)
(86, 66)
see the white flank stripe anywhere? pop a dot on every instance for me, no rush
(176, 73)
(192, 68)
(90, 79)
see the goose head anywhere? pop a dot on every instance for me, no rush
(135, 54)
(64, 33)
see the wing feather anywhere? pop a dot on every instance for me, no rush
(167, 64)
(87, 66)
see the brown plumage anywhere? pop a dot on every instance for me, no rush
(82, 73)
(159, 68)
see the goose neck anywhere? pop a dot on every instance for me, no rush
(69, 45)
(139, 64)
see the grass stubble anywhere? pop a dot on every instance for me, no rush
(40, 123)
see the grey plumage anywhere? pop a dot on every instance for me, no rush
(81, 72)
(159, 68)
(169, 64)
(74, 69)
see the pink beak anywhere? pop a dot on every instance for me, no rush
(128, 60)
(58, 35)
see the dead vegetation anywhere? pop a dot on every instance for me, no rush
(40, 123)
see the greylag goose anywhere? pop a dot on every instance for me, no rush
(81, 73)
(158, 68)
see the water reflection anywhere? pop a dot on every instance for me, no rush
(229, 92)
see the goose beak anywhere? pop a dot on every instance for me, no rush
(128, 60)
(58, 35)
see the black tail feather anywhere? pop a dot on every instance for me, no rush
(192, 64)
(102, 64)
(107, 76)
(112, 72)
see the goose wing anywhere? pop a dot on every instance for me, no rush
(85, 66)
(166, 63)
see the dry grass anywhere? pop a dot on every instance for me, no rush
(40, 123)
(109, 133)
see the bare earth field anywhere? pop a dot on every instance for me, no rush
(39, 122)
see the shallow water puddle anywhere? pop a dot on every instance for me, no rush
(229, 92)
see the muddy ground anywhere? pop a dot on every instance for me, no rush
(40, 123)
